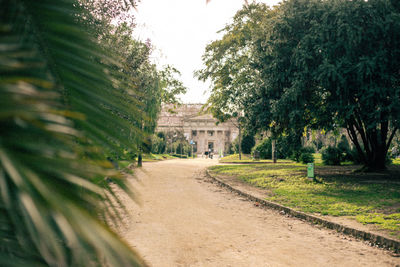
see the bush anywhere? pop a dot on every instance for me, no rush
(265, 148)
(343, 144)
(353, 156)
(332, 156)
(308, 149)
(289, 146)
(247, 143)
(158, 145)
(306, 158)
(296, 154)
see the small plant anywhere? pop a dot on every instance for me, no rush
(332, 156)
(306, 158)
(265, 148)
(296, 155)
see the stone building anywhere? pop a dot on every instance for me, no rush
(197, 127)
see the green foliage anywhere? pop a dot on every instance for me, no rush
(296, 153)
(332, 156)
(312, 64)
(247, 143)
(171, 85)
(63, 106)
(306, 157)
(265, 148)
(228, 64)
(158, 145)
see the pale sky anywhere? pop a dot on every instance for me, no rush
(180, 31)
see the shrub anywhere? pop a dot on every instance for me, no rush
(353, 156)
(265, 148)
(343, 144)
(332, 156)
(296, 154)
(247, 143)
(288, 146)
(307, 149)
(158, 145)
(306, 158)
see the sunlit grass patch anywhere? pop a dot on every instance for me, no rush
(389, 222)
(156, 157)
(338, 193)
(248, 158)
(235, 157)
(317, 158)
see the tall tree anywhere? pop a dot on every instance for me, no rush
(335, 64)
(312, 64)
(229, 65)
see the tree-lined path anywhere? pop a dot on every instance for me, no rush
(185, 220)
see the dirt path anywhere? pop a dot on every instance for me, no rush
(185, 220)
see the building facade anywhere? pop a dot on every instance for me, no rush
(198, 128)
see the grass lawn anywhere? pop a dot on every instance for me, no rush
(247, 158)
(369, 198)
(156, 157)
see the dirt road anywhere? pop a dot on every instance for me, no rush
(185, 220)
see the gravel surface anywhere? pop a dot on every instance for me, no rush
(185, 220)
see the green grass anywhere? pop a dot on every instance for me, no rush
(338, 192)
(246, 158)
(122, 164)
(156, 157)
(317, 158)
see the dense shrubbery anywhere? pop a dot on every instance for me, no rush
(306, 158)
(332, 156)
(286, 147)
(296, 155)
(265, 148)
(342, 152)
(158, 144)
(247, 143)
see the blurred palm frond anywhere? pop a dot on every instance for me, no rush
(57, 102)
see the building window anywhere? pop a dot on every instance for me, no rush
(194, 133)
(210, 133)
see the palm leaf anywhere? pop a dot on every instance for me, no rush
(55, 97)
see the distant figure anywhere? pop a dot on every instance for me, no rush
(210, 154)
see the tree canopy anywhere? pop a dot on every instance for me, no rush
(319, 64)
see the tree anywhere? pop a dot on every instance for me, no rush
(312, 64)
(228, 64)
(340, 60)
(61, 108)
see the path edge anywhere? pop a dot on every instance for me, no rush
(374, 239)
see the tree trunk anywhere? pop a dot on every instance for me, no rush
(274, 150)
(139, 162)
(240, 142)
(375, 144)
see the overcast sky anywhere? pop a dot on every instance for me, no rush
(180, 30)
